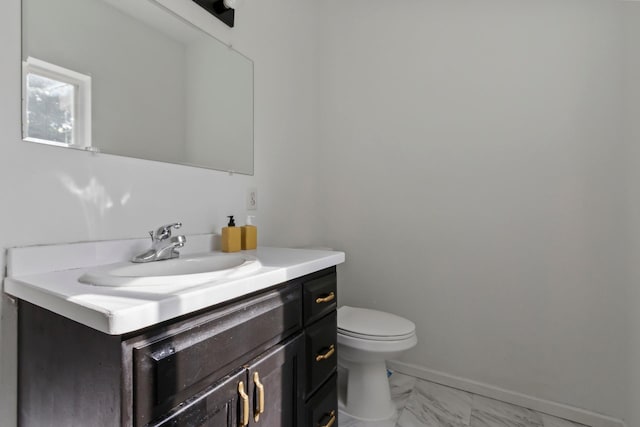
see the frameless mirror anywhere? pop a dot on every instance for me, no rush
(129, 77)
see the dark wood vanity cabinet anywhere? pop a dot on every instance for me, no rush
(265, 360)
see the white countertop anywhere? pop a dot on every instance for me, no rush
(119, 310)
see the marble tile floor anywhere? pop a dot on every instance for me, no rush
(424, 404)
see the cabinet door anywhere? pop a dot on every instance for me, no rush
(216, 406)
(274, 378)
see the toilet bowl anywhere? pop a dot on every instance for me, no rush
(366, 340)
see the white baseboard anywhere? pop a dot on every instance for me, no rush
(559, 410)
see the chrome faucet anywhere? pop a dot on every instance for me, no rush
(163, 245)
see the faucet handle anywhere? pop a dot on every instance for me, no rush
(164, 232)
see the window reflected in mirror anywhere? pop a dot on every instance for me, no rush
(56, 105)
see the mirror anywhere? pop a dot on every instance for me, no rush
(129, 77)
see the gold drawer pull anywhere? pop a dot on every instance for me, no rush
(245, 404)
(328, 298)
(260, 399)
(332, 420)
(328, 354)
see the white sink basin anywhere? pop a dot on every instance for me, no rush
(178, 271)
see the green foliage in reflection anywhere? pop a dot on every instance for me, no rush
(49, 109)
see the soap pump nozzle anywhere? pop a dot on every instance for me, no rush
(232, 223)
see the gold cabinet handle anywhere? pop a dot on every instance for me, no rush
(328, 354)
(332, 420)
(244, 397)
(328, 298)
(260, 397)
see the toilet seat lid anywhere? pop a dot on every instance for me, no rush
(365, 322)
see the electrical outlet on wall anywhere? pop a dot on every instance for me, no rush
(252, 199)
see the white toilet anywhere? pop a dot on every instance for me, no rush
(366, 339)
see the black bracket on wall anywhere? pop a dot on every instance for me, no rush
(218, 9)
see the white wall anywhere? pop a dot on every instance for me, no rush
(632, 128)
(474, 176)
(53, 195)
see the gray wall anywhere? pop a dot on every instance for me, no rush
(475, 177)
(632, 128)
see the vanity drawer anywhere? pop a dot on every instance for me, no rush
(322, 409)
(186, 358)
(320, 352)
(320, 297)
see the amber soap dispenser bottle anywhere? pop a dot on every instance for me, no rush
(231, 236)
(249, 234)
